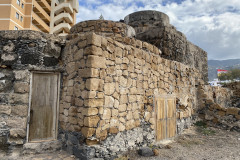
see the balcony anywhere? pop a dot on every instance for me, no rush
(63, 17)
(37, 9)
(63, 7)
(75, 5)
(62, 26)
(45, 5)
(37, 21)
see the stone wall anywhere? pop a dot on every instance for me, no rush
(154, 27)
(108, 84)
(235, 98)
(20, 53)
(215, 107)
(221, 96)
(105, 28)
(108, 91)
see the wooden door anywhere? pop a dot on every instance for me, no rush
(165, 117)
(43, 107)
(161, 119)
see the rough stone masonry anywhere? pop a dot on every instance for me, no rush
(110, 74)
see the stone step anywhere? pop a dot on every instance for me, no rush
(42, 147)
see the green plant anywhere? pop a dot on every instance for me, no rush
(207, 131)
(201, 124)
(230, 75)
(151, 146)
(203, 128)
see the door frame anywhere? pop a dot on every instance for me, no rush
(165, 97)
(57, 105)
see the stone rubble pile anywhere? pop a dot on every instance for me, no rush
(216, 108)
(235, 99)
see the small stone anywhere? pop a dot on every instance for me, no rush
(168, 146)
(123, 81)
(156, 152)
(19, 123)
(91, 142)
(109, 101)
(109, 88)
(21, 75)
(73, 120)
(106, 114)
(91, 121)
(93, 50)
(70, 67)
(88, 72)
(94, 84)
(72, 111)
(88, 132)
(18, 98)
(122, 108)
(93, 102)
(5, 109)
(21, 87)
(114, 122)
(114, 113)
(123, 99)
(233, 111)
(102, 134)
(113, 130)
(146, 152)
(94, 40)
(19, 110)
(130, 124)
(88, 94)
(90, 111)
(121, 127)
(96, 62)
(235, 128)
(15, 133)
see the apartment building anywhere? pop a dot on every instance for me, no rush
(63, 15)
(49, 16)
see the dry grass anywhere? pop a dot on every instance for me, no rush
(186, 142)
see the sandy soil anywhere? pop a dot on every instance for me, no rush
(199, 144)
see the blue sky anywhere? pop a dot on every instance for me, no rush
(213, 25)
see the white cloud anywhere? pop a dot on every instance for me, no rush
(213, 25)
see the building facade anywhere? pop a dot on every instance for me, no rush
(63, 15)
(49, 16)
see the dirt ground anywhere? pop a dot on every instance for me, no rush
(59, 155)
(196, 143)
(199, 143)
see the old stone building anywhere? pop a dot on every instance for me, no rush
(106, 88)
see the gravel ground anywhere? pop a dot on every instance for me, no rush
(199, 144)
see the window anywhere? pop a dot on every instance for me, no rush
(15, 28)
(21, 18)
(17, 15)
(18, 2)
(22, 5)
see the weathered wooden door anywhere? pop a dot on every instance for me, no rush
(165, 108)
(43, 107)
